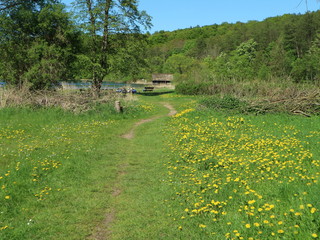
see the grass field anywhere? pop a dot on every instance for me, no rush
(201, 174)
(244, 177)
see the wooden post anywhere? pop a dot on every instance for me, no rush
(118, 107)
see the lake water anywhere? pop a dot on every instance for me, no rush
(104, 85)
(87, 85)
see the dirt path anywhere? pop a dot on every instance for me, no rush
(130, 134)
(103, 232)
(171, 108)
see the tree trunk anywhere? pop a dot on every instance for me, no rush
(96, 79)
(105, 42)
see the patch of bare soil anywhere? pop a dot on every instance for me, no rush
(171, 108)
(103, 232)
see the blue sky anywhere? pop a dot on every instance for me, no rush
(171, 15)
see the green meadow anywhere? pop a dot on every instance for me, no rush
(200, 174)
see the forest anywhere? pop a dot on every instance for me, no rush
(43, 42)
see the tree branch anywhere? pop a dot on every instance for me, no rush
(8, 6)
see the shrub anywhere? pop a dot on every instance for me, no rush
(225, 103)
(193, 88)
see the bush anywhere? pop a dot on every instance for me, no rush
(225, 103)
(193, 88)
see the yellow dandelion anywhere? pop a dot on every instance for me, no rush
(313, 210)
(280, 231)
(314, 235)
(248, 225)
(7, 197)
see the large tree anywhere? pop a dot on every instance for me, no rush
(102, 18)
(35, 42)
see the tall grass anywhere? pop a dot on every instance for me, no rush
(261, 96)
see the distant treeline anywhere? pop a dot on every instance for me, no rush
(40, 44)
(286, 47)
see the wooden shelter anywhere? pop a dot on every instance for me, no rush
(162, 79)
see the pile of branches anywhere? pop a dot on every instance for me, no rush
(75, 101)
(304, 103)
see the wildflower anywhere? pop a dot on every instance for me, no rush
(313, 210)
(248, 225)
(280, 231)
(314, 235)
(7, 197)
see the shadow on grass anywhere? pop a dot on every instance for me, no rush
(155, 93)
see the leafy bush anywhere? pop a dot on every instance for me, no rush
(226, 103)
(193, 88)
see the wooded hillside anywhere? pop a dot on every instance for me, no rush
(41, 43)
(278, 47)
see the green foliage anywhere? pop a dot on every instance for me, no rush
(278, 47)
(192, 88)
(37, 44)
(224, 103)
(178, 63)
(40, 44)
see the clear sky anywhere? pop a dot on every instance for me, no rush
(171, 15)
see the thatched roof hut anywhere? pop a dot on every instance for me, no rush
(162, 78)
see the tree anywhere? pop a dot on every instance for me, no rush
(102, 18)
(35, 43)
(8, 5)
(179, 63)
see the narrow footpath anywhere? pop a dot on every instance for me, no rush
(135, 193)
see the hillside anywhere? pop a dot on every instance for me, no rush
(285, 47)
